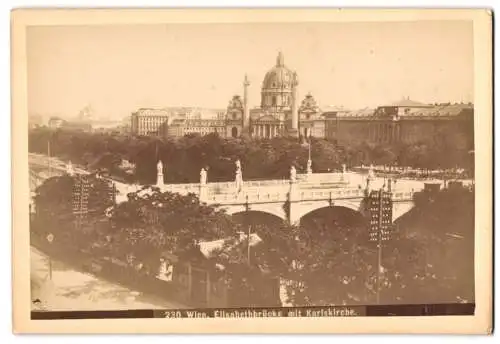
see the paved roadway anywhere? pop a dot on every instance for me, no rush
(74, 290)
(40, 162)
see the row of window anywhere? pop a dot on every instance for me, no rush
(273, 101)
(203, 131)
(148, 126)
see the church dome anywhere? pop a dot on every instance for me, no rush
(277, 86)
(279, 77)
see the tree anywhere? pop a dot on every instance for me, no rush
(166, 222)
(53, 199)
(54, 202)
(383, 155)
(444, 223)
(326, 261)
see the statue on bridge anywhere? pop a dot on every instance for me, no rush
(371, 172)
(203, 176)
(309, 166)
(159, 175)
(238, 176)
(293, 174)
(342, 177)
(69, 169)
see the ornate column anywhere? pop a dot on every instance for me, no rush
(294, 130)
(246, 111)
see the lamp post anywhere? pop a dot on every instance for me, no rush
(310, 147)
(48, 158)
(309, 158)
(249, 242)
(249, 229)
(50, 239)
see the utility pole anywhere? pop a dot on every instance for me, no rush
(80, 199)
(249, 230)
(50, 238)
(379, 237)
(248, 241)
(380, 225)
(82, 192)
(48, 159)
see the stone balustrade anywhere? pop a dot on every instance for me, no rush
(333, 194)
(241, 198)
(331, 177)
(282, 196)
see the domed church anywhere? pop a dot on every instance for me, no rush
(279, 112)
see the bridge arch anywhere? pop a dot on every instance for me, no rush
(337, 215)
(257, 217)
(310, 207)
(275, 209)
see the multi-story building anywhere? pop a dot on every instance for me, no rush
(281, 113)
(405, 121)
(56, 122)
(184, 120)
(181, 126)
(147, 121)
(75, 124)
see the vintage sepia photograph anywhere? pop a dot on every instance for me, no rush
(254, 168)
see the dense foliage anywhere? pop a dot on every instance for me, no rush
(444, 224)
(261, 159)
(326, 260)
(155, 222)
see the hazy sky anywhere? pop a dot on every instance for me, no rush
(117, 69)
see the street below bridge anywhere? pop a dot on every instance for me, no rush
(73, 290)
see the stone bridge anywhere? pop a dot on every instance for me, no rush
(300, 195)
